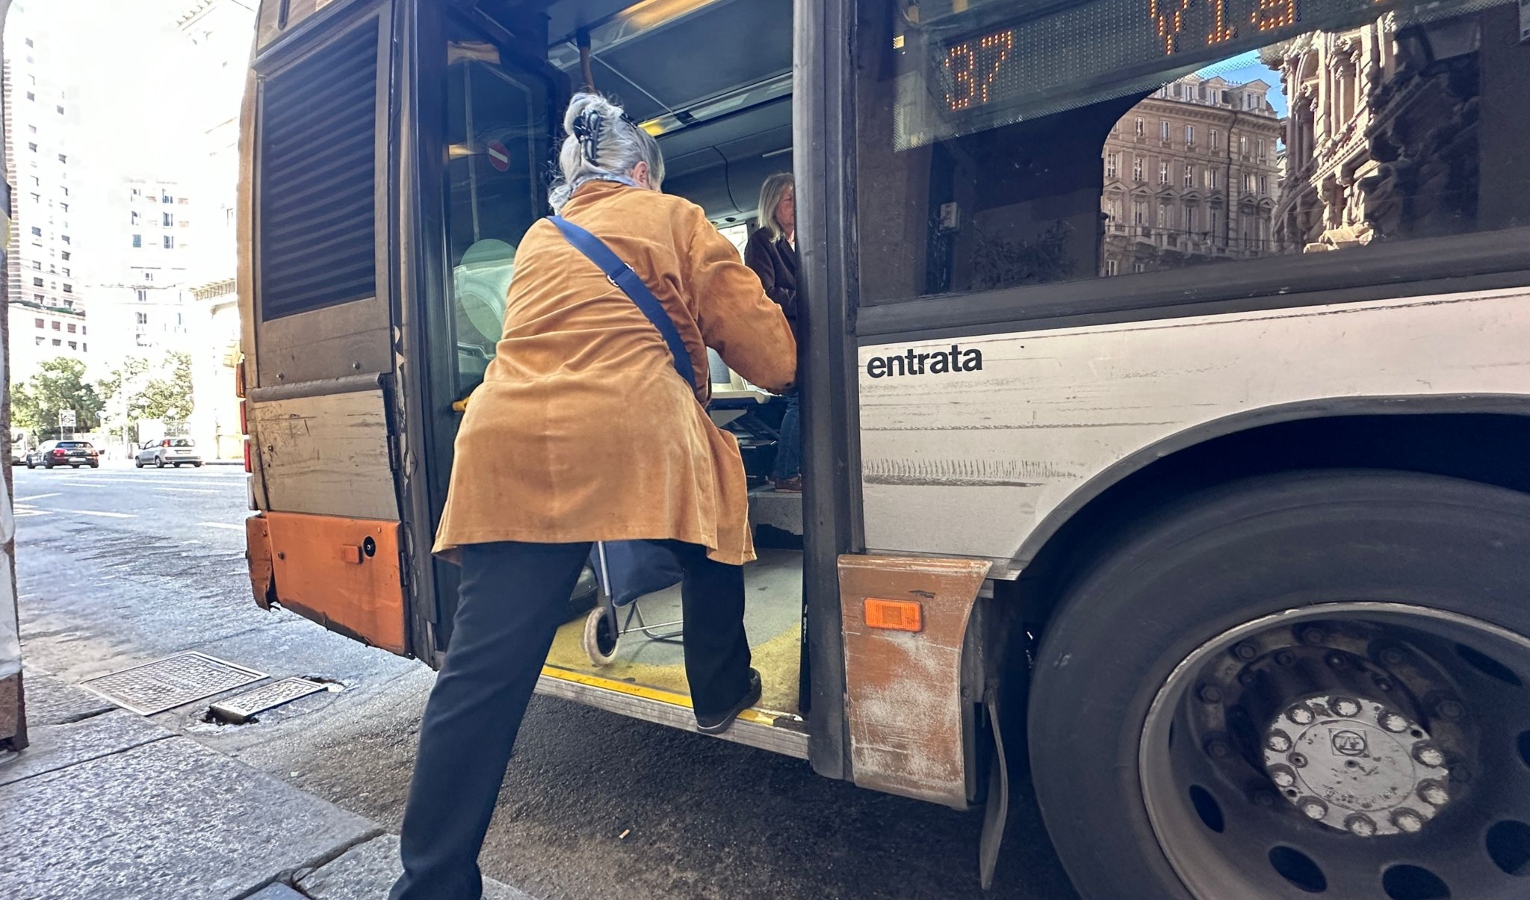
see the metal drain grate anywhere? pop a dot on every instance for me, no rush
(170, 682)
(242, 708)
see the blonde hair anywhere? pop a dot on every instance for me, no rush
(602, 144)
(771, 192)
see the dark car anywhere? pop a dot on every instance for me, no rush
(64, 453)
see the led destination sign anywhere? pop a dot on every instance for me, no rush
(957, 78)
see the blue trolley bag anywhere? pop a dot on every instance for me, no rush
(628, 570)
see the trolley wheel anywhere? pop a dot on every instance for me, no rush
(599, 638)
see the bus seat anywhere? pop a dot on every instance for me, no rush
(732, 396)
(482, 282)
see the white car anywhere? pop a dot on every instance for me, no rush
(168, 452)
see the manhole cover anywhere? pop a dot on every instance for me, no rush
(170, 682)
(243, 707)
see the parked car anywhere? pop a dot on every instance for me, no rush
(168, 452)
(64, 453)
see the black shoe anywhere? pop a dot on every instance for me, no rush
(719, 724)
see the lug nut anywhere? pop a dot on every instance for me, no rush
(1382, 684)
(1394, 723)
(1245, 651)
(1217, 748)
(1312, 636)
(1393, 656)
(1246, 678)
(1313, 808)
(1408, 821)
(1301, 715)
(1429, 755)
(1360, 825)
(1433, 793)
(1346, 707)
(1283, 776)
(1210, 693)
(1449, 709)
(1335, 660)
(1278, 741)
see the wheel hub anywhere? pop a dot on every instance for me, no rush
(1357, 765)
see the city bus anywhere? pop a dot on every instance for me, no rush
(1166, 396)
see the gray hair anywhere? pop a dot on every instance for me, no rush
(602, 145)
(771, 193)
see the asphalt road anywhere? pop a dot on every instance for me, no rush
(119, 566)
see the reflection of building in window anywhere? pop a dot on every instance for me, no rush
(1187, 224)
(1382, 140)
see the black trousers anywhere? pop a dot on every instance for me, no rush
(512, 599)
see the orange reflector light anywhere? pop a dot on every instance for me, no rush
(894, 615)
(247, 456)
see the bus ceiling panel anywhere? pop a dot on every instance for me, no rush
(727, 189)
(761, 129)
(633, 97)
(682, 64)
(566, 17)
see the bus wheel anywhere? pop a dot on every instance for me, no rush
(599, 637)
(1313, 683)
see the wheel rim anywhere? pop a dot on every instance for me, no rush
(1369, 751)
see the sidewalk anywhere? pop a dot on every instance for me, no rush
(106, 804)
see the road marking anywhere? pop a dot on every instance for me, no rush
(189, 490)
(98, 481)
(96, 512)
(37, 497)
(219, 525)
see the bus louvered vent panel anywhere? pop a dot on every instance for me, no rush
(317, 164)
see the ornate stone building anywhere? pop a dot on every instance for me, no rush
(1191, 176)
(1383, 134)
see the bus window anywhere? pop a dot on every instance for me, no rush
(496, 137)
(993, 155)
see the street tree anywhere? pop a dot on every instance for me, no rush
(59, 385)
(167, 395)
(138, 391)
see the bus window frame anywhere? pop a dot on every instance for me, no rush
(823, 138)
(1450, 264)
(1479, 260)
(424, 308)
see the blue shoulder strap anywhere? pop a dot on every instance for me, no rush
(621, 275)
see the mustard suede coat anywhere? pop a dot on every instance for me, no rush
(582, 430)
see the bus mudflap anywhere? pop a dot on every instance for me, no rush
(904, 625)
(343, 573)
(257, 540)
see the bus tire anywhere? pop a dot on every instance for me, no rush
(1183, 660)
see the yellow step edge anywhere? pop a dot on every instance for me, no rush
(753, 716)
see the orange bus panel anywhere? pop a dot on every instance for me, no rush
(257, 540)
(342, 573)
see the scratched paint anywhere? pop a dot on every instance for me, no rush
(970, 465)
(10, 636)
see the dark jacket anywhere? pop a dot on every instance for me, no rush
(776, 264)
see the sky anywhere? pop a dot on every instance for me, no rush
(1246, 67)
(132, 93)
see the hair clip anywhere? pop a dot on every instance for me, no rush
(587, 131)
